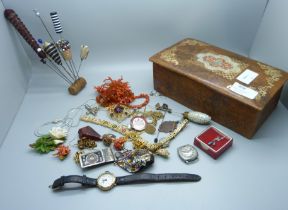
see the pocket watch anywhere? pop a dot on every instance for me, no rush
(138, 123)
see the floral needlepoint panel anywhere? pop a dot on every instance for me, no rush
(220, 64)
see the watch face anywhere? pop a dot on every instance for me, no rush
(187, 153)
(106, 181)
(138, 123)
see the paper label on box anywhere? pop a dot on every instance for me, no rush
(243, 91)
(247, 76)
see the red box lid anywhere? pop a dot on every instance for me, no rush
(213, 139)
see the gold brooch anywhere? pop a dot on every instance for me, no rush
(119, 112)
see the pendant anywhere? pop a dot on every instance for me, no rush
(150, 129)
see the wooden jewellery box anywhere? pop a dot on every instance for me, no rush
(234, 90)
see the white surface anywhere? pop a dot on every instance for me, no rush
(15, 73)
(250, 175)
(127, 30)
(271, 42)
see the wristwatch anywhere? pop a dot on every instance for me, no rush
(187, 153)
(107, 180)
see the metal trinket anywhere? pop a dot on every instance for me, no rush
(85, 143)
(138, 123)
(152, 117)
(150, 129)
(77, 156)
(119, 112)
(108, 139)
(134, 160)
(167, 126)
(163, 107)
(96, 158)
(187, 153)
(215, 140)
(93, 110)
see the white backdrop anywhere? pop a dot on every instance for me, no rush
(131, 31)
(15, 69)
(271, 42)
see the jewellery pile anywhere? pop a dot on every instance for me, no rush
(115, 98)
(136, 139)
(57, 55)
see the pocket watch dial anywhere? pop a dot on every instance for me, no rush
(138, 123)
(106, 181)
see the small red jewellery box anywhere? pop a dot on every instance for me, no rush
(213, 142)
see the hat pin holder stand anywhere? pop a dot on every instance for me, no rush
(56, 55)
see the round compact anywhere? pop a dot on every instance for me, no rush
(138, 123)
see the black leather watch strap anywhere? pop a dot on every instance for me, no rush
(150, 178)
(84, 180)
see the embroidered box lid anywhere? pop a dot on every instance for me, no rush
(252, 82)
